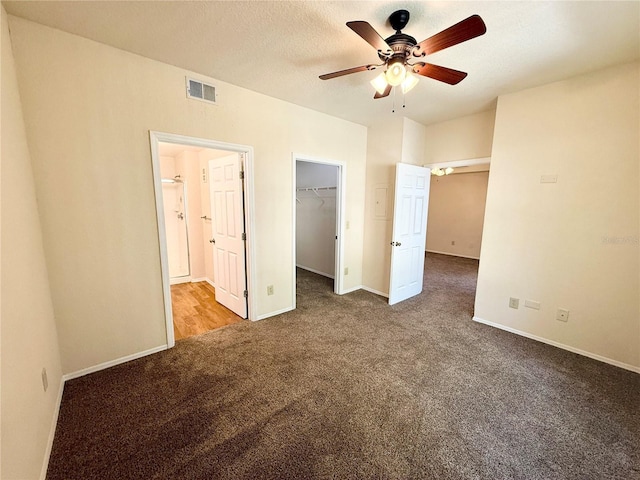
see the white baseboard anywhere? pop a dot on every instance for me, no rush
(273, 314)
(203, 279)
(112, 363)
(349, 290)
(453, 254)
(600, 358)
(312, 270)
(52, 432)
(377, 292)
(177, 280)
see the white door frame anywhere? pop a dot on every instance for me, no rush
(249, 209)
(341, 189)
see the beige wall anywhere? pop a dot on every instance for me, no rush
(384, 150)
(460, 139)
(29, 340)
(571, 244)
(207, 225)
(89, 137)
(188, 167)
(456, 213)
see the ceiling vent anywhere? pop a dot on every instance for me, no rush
(201, 91)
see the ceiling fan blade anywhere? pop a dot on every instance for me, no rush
(467, 29)
(369, 34)
(340, 73)
(386, 92)
(443, 74)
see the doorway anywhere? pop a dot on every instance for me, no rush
(318, 219)
(456, 207)
(192, 302)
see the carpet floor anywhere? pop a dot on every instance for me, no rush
(348, 387)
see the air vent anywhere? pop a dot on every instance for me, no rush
(201, 91)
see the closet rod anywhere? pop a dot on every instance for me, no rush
(309, 189)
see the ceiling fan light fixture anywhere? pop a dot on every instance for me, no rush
(379, 83)
(396, 73)
(409, 82)
(439, 171)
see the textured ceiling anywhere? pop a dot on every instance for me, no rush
(280, 48)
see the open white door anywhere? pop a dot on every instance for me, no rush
(409, 231)
(228, 231)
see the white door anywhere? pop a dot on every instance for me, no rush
(409, 231)
(228, 228)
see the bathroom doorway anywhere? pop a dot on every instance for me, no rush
(187, 228)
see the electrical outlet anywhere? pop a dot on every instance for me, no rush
(346, 270)
(45, 380)
(562, 315)
(514, 303)
(532, 304)
(269, 289)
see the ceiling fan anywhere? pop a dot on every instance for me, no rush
(396, 51)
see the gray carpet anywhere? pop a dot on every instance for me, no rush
(346, 387)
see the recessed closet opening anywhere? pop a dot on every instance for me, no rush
(318, 205)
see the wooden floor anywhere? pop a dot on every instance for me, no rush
(196, 311)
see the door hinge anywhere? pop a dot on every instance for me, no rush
(244, 236)
(241, 174)
(246, 294)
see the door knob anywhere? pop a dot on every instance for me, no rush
(213, 240)
(395, 244)
(181, 216)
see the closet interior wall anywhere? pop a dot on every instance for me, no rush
(316, 188)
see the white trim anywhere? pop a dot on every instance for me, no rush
(277, 312)
(52, 432)
(377, 292)
(113, 363)
(341, 190)
(249, 201)
(352, 289)
(461, 163)
(452, 254)
(313, 270)
(164, 255)
(179, 280)
(600, 358)
(201, 279)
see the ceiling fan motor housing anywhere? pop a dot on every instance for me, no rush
(401, 44)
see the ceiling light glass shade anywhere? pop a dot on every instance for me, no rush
(409, 82)
(395, 73)
(439, 171)
(379, 83)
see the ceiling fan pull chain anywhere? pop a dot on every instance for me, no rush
(393, 110)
